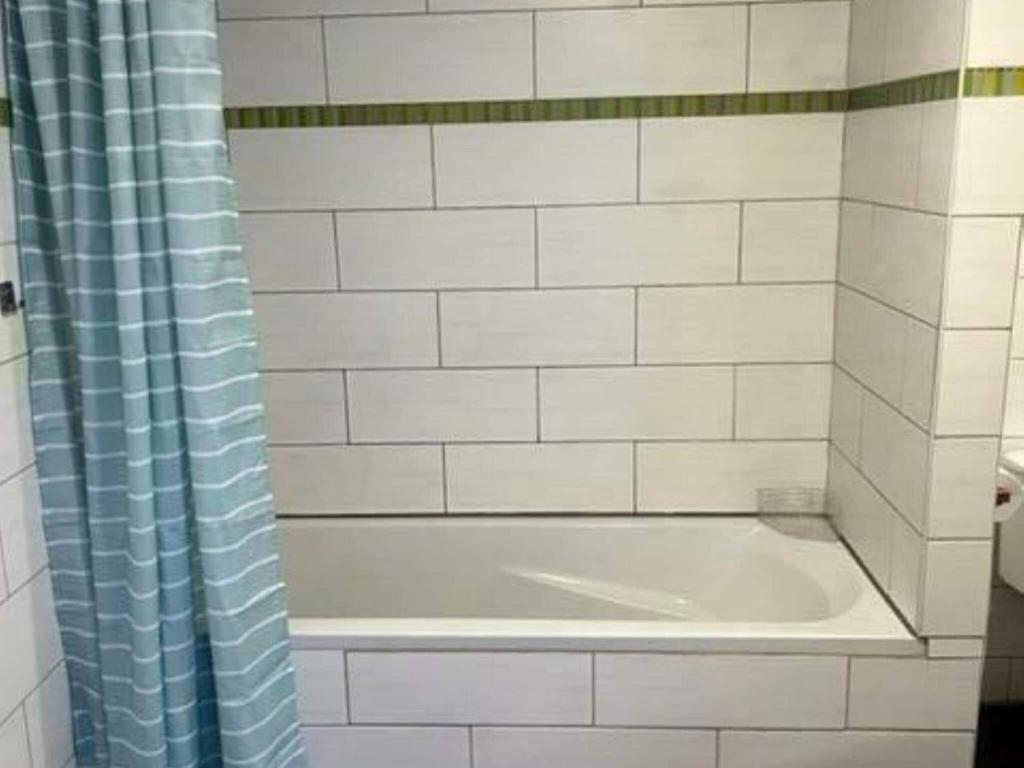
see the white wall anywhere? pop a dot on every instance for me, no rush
(35, 729)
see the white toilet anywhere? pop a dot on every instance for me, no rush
(1009, 516)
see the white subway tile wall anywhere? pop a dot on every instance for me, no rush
(35, 721)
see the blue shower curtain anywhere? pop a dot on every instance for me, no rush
(146, 404)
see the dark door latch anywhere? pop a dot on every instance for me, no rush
(9, 303)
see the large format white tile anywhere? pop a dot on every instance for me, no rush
(543, 477)
(323, 168)
(304, 331)
(14, 742)
(641, 52)
(990, 130)
(290, 251)
(555, 163)
(905, 586)
(982, 270)
(790, 241)
(638, 245)
(48, 714)
(436, 249)
(723, 476)
(592, 748)
(320, 685)
(847, 410)
(306, 407)
(430, 58)
(483, 688)
(799, 46)
(730, 158)
(274, 8)
(720, 691)
(387, 747)
(867, 41)
(882, 150)
(914, 693)
(735, 324)
(272, 62)
(962, 478)
(636, 403)
(894, 456)
(917, 43)
(442, 406)
(994, 38)
(956, 588)
(28, 625)
(21, 529)
(16, 426)
(938, 147)
(360, 480)
(845, 749)
(862, 515)
(971, 382)
(783, 401)
(551, 327)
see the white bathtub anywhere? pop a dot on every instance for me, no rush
(705, 584)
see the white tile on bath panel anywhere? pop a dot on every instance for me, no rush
(783, 401)
(442, 406)
(554, 163)
(355, 480)
(982, 272)
(21, 529)
(324, 168)
(901, 261)
(306, 407)
(646, 52)
(307, 331)
(12, 328)
(272, 62)
(48, 714)
(962, 479)
(548, 477)
(723, 476)
(989, 143)
(232, 9)
(847, 410)
(995, 680)
(639, 245)
(14, 742)
(799, 46)
(387, 747)
(918, 43)
(1013, 423)
(31, 641)
(320, 686)
(864, 518)
(592, 748)
(958, 576)
(938, 148)
(720, 691)
(729, 158)
(894, 455)
(436, 249)
(290, 251)
(845, 749)
(16, 426)
(790, 241)
(906, 580)
(881, 159)
(956, 648)
(637, 403)
(971, 382)
(736, 324)
(511, 5)
(480, 688)
(925, 694)
(994, 38)
(393, 59)
(867, 42)
(548, 327)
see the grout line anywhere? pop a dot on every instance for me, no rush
(849, 679)
(535, 61)
(437, 319)
(433, 166)
(348, 687)
(346, 393)
(750, 35)
(324, 60)
(735, 398)
(593, 688)
(740, 224)
(537, 405)
(639, 160)
(636, 326)
(521, 441)
(444, 479)
(335, 223)
(536, 248)
(636, 478)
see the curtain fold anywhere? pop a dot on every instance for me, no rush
(146, 405)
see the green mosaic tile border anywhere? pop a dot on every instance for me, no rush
(993, 81)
